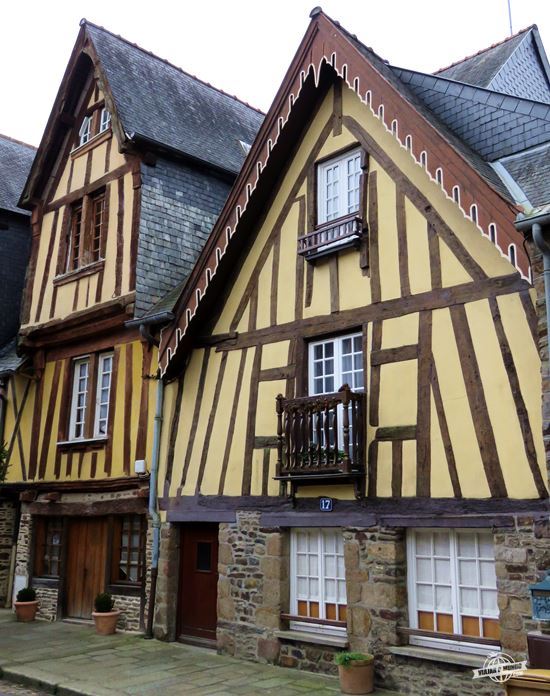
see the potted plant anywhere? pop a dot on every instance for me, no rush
(105, 618)
(356, 672)
(26, 604)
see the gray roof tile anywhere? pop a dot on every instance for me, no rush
(166, 106)
(15, 163)
(531, 171)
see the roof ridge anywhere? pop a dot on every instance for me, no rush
(19, 142)
(488, 48)
(85, 21)
(476, 87)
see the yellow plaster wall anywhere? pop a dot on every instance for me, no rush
(398, 391)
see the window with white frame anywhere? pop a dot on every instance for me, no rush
(334, 362)
(89, 413)
(85, 132)
(452, 588)
(104, 120)
(318, 581)
(79, 399)
(338, 186)
(104, 374)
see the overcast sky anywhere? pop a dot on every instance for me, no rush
(241, 46)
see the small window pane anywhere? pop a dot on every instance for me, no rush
(204, 556)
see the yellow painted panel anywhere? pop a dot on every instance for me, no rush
(384, 470)
(400, 331)
(471, 473)
(98, 161)
(79, 172)
(257, 472)
(418, 252)
(266, 419)
(286, 290)
(452, 271)
(264, 293)
(242, 326)
(118, 425)
(500, 402)
(108, 287)
(202, 425)
(387, 236)
(117, 158)
(169, 399)
(408, 488)
(129, 193)
(398, 393)
(354, 287)
(527, 363)
(440, 479)
(41, 264)
(192, 375)
(275, 354)
(233, 481)
(221, 425)
(338, 492)
(320, 298)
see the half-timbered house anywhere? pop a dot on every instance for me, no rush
(15, 236)
(135, 164)
(352, 448)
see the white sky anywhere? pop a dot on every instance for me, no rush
(241, 46)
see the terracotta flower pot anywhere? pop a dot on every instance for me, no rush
(357, 677)
(105, 621)
(26, 611)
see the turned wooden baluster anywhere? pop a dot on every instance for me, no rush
(279, 410)
(326, 431)
(318, 435)
(345, 405)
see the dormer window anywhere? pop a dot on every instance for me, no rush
(339, 223)
(104, 120)
(338, 187)
(85, 132)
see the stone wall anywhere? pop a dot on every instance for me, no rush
(47, 598)
(252, 588)
(130, 606)
(166, 601)
(8, 514)
(522, 556)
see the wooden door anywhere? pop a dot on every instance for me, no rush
(198, 584)
(86, 563)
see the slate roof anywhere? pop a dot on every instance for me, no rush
(160, 103)
(9, 360)
(531, 171)
(15, 163)
(491, 123)
(484, 65)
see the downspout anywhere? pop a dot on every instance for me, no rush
(153, 509)
(544, 246)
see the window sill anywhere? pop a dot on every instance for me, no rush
(78, 273)
(95, 140)
(45, 582)
(130, 590)
(85, 443)
(449, 657)
(317, 638)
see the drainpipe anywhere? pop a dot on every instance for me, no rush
(153, 511)
(544, 246)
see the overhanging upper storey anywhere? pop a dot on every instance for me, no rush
(328, 53)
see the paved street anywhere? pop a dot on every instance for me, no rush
(69, 659)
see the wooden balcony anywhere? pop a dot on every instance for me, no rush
(331, 237)
(321, 437)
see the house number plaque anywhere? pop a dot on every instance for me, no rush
(325, 504)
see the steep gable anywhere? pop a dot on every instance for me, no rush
(327, 47)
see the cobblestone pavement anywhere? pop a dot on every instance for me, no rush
(71, 660)
(9, 689)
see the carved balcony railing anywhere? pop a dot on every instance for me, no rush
(330, 237)
(321, 436)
